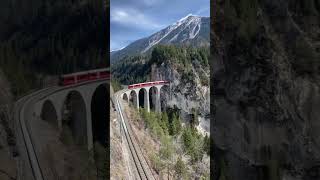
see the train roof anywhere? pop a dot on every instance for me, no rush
(84, 72)
(148, 82)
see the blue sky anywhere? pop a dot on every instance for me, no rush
(134, 19)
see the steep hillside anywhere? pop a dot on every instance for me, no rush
(186, 68)
(266, 89)
(38, 41)
(189, 31)
(40, 38)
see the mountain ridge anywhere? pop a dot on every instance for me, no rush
(190, 30)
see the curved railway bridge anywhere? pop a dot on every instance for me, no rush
(85, 103)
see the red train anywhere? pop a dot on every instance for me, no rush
(80, 77)
(147, 84)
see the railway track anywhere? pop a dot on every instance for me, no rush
(26, 135)
(142, 166)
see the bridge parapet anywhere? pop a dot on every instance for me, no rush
(147, 84)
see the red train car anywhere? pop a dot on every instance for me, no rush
(81, 77)
(147, 84)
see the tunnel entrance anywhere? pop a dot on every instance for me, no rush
(100, 115)
(152, 97)
(142, 99)
(133, 98)
(75, 118)
(165, 97)
(49, 113)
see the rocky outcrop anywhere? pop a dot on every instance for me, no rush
(186, 95)
(266, 89)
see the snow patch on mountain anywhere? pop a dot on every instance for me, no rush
(178, 23)
(195, 31)
(191, 30)
(155, 40)
(184, 23)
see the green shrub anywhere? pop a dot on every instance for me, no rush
(153, 122)
(156, 162)
(165, 123)
(193, 143)
(115, 85)
(175, 125)
(180, 169)
(166, 148)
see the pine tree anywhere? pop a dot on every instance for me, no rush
(180, 168)
(165, 122)
(188, 139)
(175, 125)
(166, 149)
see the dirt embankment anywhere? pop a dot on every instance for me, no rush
(120, 163)
(118, 167)
(8, 150)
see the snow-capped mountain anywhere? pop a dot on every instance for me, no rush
(190, 30)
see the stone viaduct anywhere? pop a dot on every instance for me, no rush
(81, 108)
(146, 95)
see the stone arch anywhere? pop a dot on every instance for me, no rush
(49, 113)
(125, 97)
(164, 96)
(99, 114)
(143, 93)
(153, 97)
(133, 98)
(74, 117)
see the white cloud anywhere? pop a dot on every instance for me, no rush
(202, 10)
(150, 2)
(131, 17)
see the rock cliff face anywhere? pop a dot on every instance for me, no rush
(8, 149)
(266, 83)
(186, 95)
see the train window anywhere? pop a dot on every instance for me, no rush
(82, 77)
(93, 75)
(69, 78)
(104, 74)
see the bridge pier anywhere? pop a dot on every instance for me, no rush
(89, 126)
(146, 99)
(128, 97)
(137, 98)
